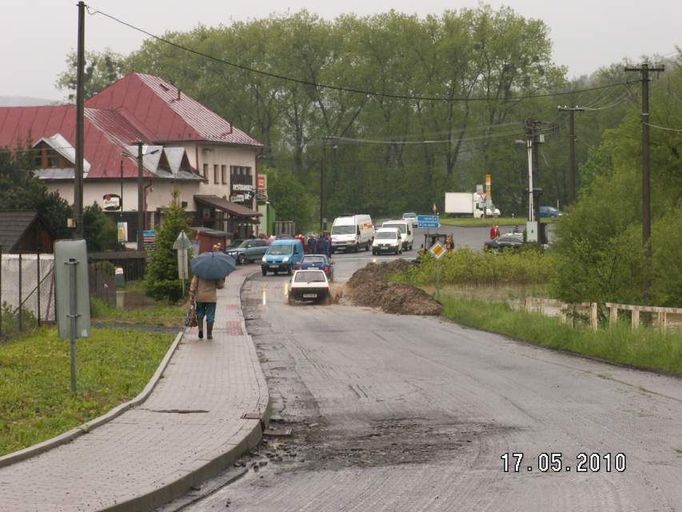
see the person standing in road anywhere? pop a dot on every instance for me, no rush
(492, 232)
(203, 292)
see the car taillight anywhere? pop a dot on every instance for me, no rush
(326, 269)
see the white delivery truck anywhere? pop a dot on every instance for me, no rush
(351, 232)
(469, 203)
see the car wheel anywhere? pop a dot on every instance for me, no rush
(276, 272)
(290, 299)
(289, 271)
(264, 271)
(326, 300)
(374, 253)
(241, 259)
(357, 248)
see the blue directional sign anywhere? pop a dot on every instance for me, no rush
(428, 221)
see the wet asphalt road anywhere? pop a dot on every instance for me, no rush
(393, 413)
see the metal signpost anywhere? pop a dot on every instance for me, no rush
(73, 294)
(182, 244)
(437, 250)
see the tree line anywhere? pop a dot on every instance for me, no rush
(442, 101)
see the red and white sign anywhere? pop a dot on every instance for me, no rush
(111, 202)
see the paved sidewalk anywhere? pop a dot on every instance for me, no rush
(189, 428)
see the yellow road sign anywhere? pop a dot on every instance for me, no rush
(437, 250)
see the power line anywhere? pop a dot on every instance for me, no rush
(666, 128)
(365, 92)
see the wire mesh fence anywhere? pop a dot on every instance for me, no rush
(27, 295)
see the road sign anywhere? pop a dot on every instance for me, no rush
(428, 221)
(437, 250)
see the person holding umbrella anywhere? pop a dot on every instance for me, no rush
(210, 269)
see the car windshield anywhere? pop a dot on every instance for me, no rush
(386, 235)
(409, 215)
(343, 230)
(244, 244)
(313, 259)
(401, 227)
(280, 249)
(309, 277)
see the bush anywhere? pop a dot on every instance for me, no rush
(467, 267)
(161, 278)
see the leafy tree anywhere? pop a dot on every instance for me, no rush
(20, 190)
(600, 251)
(101, 69)
(161, 278)
(290, 199)
(99, 230)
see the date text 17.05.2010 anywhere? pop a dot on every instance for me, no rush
(555, 462)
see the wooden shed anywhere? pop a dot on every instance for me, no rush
(24, 231)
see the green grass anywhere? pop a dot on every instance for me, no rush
(35, 400)
(159, 314)
(645, 348)
(500, 221)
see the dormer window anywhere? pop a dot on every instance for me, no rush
(47, 158)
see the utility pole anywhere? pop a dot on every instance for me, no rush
(140, 198)
(573, 191)
(324, 157)
(80, 130)
(644, 70)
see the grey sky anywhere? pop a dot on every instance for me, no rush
(587, 34)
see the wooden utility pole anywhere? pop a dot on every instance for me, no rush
(573, 172)
(140, 197)
(644, 70)
(80, 129)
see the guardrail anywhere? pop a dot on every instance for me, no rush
(661, 313)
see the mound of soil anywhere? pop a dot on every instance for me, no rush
(368, 287)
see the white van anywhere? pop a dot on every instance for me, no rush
(351, 232)
(406, 231)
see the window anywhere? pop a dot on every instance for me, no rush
(240, 175)
(215, 174)
(223, 174)
(205, 171)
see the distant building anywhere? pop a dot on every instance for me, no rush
(186, 147)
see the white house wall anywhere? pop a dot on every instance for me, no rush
(158, 196)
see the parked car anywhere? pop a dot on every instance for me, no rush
(411, 217)
(282, 256)
(318, 261)
(506, 241)
(387, 240)
(309, 285)
(248, 251)
(550, 211)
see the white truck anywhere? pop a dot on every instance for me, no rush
(351, 232)
(469, 203)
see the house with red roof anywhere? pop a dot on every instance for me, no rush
(186, 147)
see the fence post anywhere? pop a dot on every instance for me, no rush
(594, 319)
(1, 308)
(38, 284)
(635, 318)
(21, 298)
(613, 317)
(663, 320)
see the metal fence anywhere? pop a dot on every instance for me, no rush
(27, 295)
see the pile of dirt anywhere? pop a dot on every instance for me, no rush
(368, 287)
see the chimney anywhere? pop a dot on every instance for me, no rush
(178, 93)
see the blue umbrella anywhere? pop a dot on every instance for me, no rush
(212, 265)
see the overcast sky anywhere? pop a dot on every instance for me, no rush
(36, 35)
